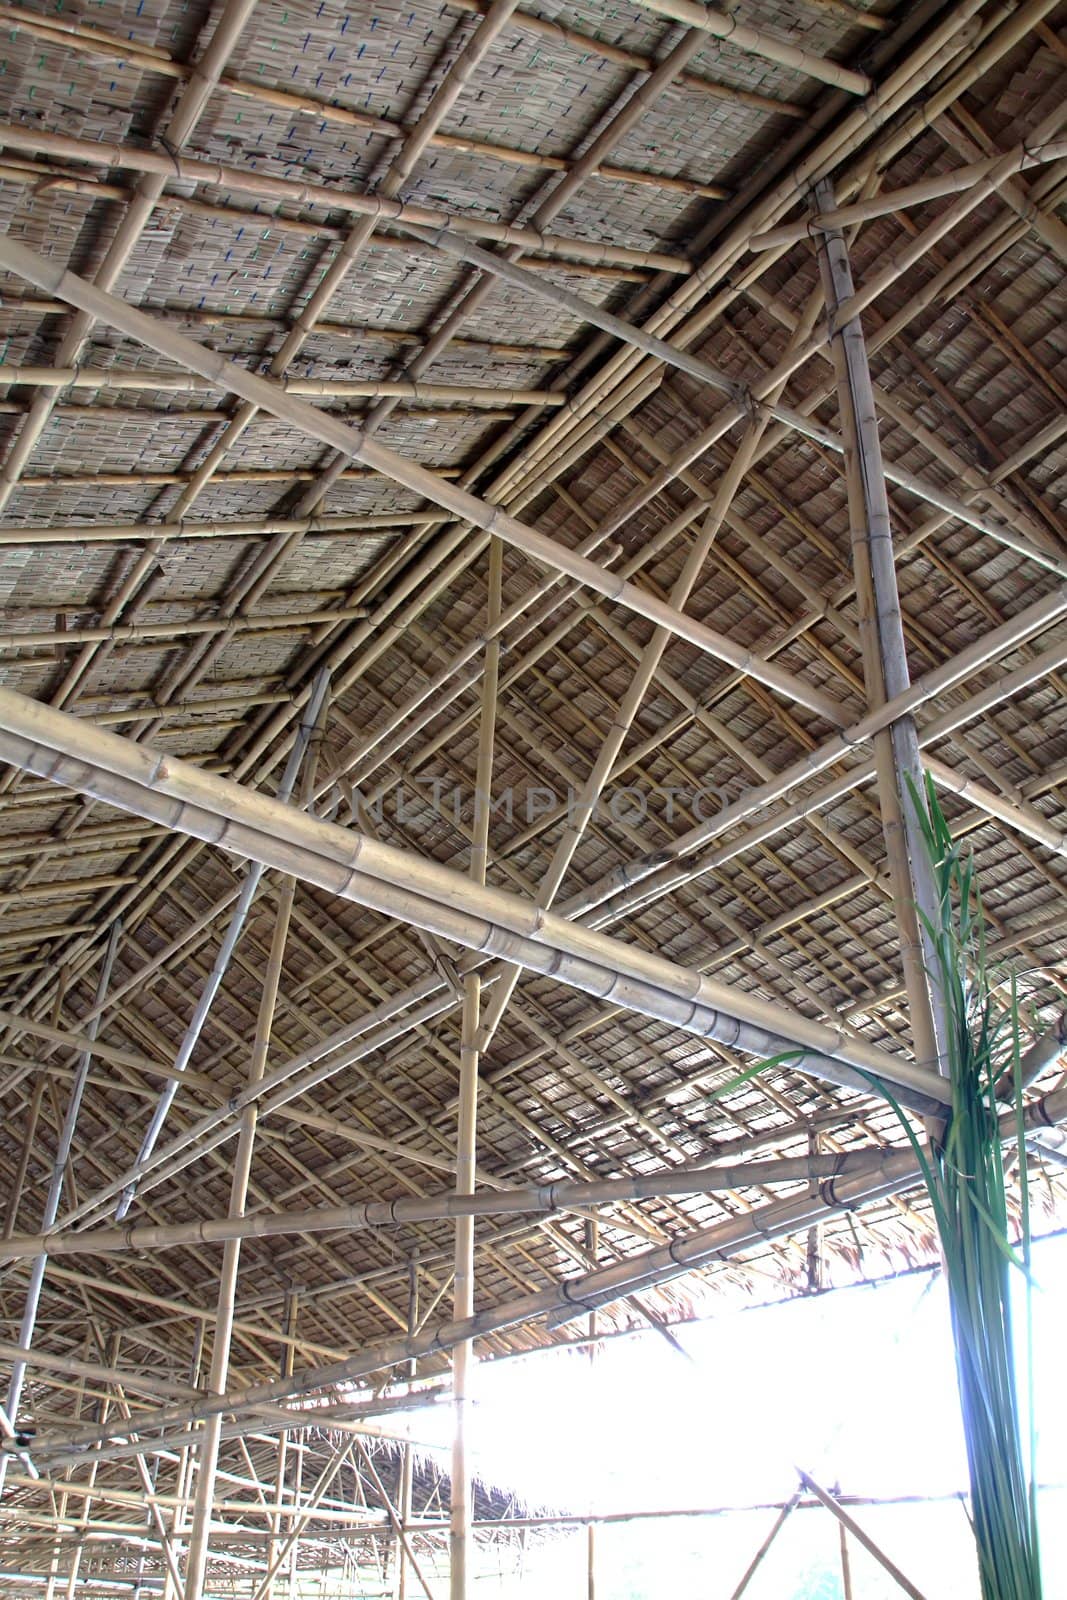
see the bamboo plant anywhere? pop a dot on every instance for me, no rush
(965, 1177)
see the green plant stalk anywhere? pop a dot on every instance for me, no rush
(966, 1183)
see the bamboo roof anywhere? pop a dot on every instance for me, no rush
(180, 578)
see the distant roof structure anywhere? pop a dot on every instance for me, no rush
(537, 442)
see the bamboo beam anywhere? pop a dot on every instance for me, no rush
(339, 526)
(42, 739)
(835, 217)
(327, 388)
(886, 674)
(351, 442)
(369, 1214)
(179, 168)
(203, 77)
(576, 1296)
(757, 41)
(303, 751)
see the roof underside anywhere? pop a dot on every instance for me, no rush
(203, 642)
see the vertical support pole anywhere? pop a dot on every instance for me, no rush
(846, 1565)
(592, 1243)
(885, 663)
(231, 1257)
(288, 1363)
(463, 1289)
(407, 1462)
(183, 1476)
(55, 1193)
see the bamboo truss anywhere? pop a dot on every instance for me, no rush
(494, 510)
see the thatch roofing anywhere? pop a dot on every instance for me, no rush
(228, 625)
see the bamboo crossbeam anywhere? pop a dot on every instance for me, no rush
(757, 41)
(218, 175)
(344, 332)
(352, 442)
(191, 627)
(349, 388)
(1025, 155)
(339, 526)
(371, 1214)
(574, 1298)
(154, 59)
(62, 747)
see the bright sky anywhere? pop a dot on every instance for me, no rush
(858, 1386)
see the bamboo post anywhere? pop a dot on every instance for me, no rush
(900, 779)
(183, 1474)
(28, 1323)
(467, 1114)
(753, 1566)
(407, 1461)
(196, 1568)
(852, 1526)
(846, 1565)
(287, 1368)
(592, 1244)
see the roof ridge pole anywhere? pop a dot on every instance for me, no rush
(885, 663)
(460, 1493)
(307, 742)
(55, 1193)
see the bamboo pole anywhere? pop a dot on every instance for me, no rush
(852, 1526)
(137, 633)
(303, 751)
(835, 217)
(332, 388)
(191, 1038)
(435, 898)
(461, 1487)
(287, 1368)
(574, 1297)
(178, 168)
(371, 1214)
(58, 1177)
(757, 41)
(405, 1501)
(898, 770)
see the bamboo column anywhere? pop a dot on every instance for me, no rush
(288, 1364)
(224, 1317)
(171, 1591)
(407, 1465)
(55, 1193)
(592, 1244)
(467, 1116)
(896, 747)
